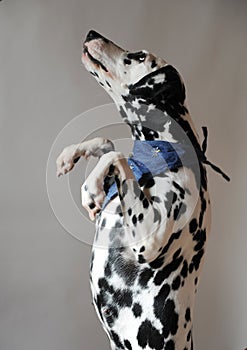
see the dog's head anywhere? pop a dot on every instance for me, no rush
(130, 75)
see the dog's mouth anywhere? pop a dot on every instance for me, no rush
(93, 59)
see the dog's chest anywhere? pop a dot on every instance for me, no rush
(112, 254)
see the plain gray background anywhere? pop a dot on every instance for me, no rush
(44, 299)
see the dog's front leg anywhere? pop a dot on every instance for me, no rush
(142, 217)
(92, 192)
(71, 154)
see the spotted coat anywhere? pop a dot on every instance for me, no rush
(150, 239)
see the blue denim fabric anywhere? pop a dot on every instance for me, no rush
(150, 158)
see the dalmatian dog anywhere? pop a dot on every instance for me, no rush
(152, 230)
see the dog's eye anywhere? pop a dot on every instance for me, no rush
(142, 58)
(138, 56)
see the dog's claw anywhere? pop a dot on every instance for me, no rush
(76, 159)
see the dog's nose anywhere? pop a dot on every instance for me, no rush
(92, 34)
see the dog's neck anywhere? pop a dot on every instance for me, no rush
(170, 123)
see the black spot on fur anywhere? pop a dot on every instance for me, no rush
(149, 335)
(166, 313)
(92, 259)
(174, 236)
(95, 74)
(98, 304)
(123, 297)
(103, 222)
(184, 271)
(191, 267)
(142, 196)
(179, 210)
(197, 259)
(150, 183)
(167, 270)
(104, 286)
(171, 197)
(108, 271)
(160, 299)
(145, 203)
(140, 217)
(137, 310)
(170, 345)
(126, 269)
(200, 236)
(117, 181)
(176, 283)
(179, 188)
(134, 220)
(193, 225)
(188, 336)
(199, 246)
(143, 179)
(116, 340)
(149, 134)
(153, 64)
(124, 188)
(127, 61)
(141, 259)
(187, 315)
(177, 253)
(127, 344)
(157, 263)
(145, 276)
(203, 208)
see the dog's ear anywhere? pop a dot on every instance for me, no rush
(165, 83)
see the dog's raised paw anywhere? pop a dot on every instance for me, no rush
(90, 201)
(67, 159)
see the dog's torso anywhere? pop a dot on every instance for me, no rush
(150, 305)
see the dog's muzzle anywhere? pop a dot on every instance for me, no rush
(92, 35)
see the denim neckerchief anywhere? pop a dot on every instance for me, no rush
(152, 158)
